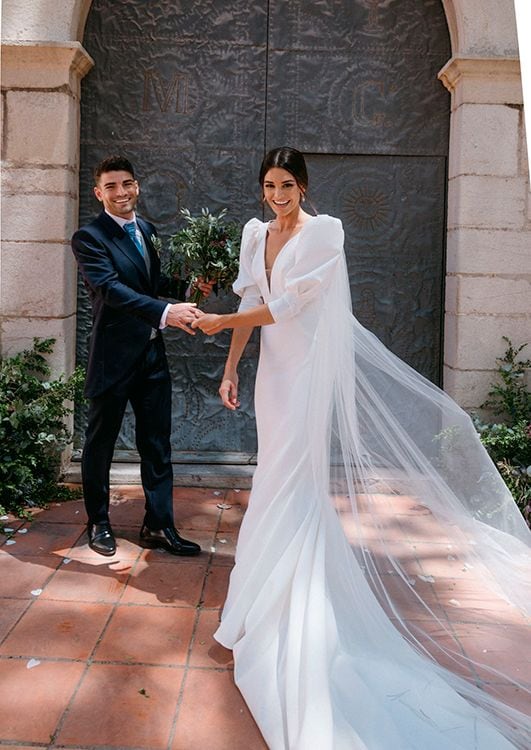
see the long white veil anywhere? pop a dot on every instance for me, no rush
(405, 467)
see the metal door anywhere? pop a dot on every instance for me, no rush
(195, 92)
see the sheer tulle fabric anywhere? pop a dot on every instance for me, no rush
(339, 640)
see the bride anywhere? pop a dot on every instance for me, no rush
(339, 642)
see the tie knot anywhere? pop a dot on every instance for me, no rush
(130, 228)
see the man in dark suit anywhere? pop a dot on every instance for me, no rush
(127, 360)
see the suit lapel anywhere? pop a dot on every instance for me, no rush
(153, 254)
(128, 247)
(123, 242)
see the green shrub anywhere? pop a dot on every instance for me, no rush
(510, 398)
(509, 441)
(32, 428)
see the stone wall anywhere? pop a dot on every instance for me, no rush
(489, 204)
(488, 284)
(40, 102)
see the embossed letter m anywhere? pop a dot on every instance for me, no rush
(176, 91)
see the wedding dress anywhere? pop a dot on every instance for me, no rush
(336, 642)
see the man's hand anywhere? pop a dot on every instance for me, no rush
(228, 390)
(182, 314)
(210, 323)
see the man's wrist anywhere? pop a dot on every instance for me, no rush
(164, 317)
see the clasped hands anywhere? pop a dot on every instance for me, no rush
(184, 314)
(187, 316)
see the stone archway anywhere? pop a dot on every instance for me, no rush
(489, 219)
(355, 90)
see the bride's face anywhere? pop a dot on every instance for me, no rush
(281, 191)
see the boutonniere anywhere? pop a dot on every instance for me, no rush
(157, 244)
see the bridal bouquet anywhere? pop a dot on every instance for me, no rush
(208, 247)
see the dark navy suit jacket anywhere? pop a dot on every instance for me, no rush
(124, 297)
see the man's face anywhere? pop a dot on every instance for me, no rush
(118, 191)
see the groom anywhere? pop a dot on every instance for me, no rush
(127, 360)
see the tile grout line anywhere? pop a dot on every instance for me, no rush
(470, 663)
(199, 608)
(45, 583)
(48, 580)
(90, 659)
(30, 603)
(450, 622)
(115, 663)
(214, 531)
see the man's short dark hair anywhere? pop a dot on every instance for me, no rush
(113, 164)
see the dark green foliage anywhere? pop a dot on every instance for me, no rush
(509, 442)
(208, 247)
(510, 398)
(32, 428)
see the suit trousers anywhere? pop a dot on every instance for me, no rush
(148, 388)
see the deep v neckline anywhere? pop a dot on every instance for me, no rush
(268, 278)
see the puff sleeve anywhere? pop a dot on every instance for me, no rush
(317, 256)
(245, 285)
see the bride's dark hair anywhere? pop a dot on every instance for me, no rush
(285, 158)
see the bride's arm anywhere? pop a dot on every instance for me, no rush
(317, 261)
(228, 390)
(255, 316)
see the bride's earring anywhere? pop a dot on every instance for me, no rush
(303, 197)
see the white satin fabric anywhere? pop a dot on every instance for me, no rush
(325, 654)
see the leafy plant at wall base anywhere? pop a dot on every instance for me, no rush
(33, 433)
(510, 398)
(509, 442)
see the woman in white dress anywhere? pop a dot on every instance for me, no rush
(332, 634)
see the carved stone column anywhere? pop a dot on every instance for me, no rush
(488, 285)
(40, 103)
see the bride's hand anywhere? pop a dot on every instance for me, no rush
(209, 323)
(228, 390)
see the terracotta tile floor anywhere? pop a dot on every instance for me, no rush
(99, 653)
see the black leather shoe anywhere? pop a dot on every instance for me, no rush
(101, 538)
(168, 539)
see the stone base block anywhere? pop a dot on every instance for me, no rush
(473, 342)
(469, 388)
(487, 202)
(18, 334)
(484, 140)
(219, 476)
(37, 280)
(35, 218)
(39, 179)
(488, 251)
(42, 127)
(489, 295)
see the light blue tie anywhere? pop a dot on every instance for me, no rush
(130, 228)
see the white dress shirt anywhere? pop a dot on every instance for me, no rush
(121, 221)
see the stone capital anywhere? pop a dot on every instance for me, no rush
(44, 65)
(483, 80)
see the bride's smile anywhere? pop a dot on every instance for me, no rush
(283, 194)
